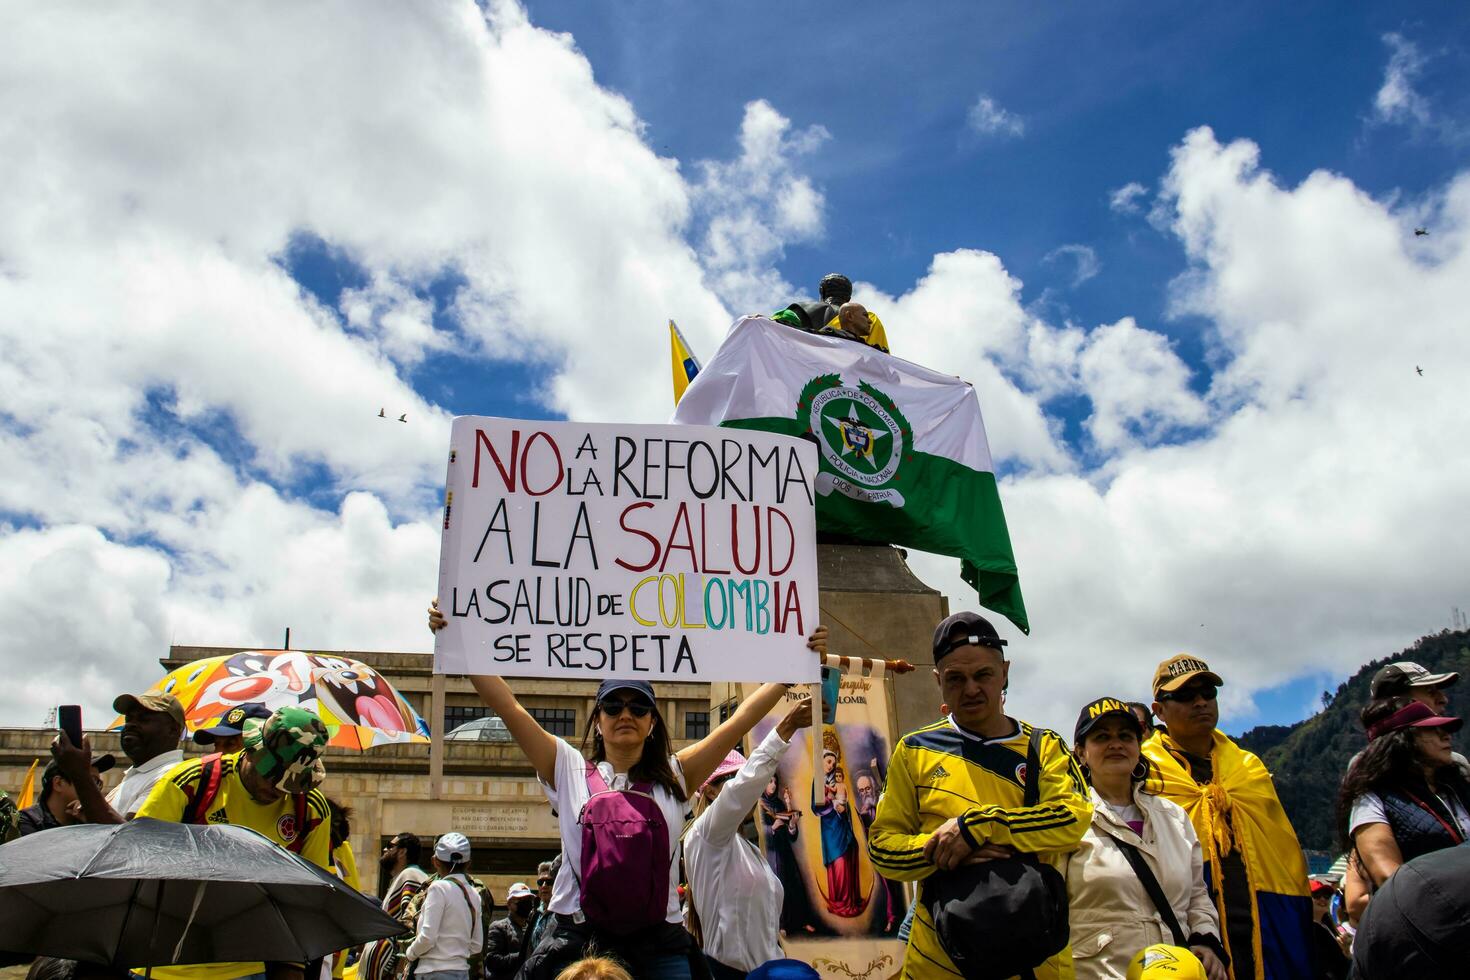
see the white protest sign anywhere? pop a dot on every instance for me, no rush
(663, 552)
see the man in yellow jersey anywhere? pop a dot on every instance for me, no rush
(955, 788)
(270, 787)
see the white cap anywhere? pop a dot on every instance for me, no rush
(453, 848)
(519, 890)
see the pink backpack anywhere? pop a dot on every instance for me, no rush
(624, 878)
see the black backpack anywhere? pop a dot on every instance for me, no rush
(1001, 918)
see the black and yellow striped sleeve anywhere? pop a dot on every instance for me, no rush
(895, 840)
(318, 830)
(170, 796)
(1056, 823)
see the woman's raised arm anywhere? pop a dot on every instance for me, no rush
(538, 744)
(701, 758)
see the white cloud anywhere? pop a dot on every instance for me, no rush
(757, 204)
(1397, 101)
(988, 118)
(1318, 523)
(965, 317)
(167, 384)
(1086, 264)
(1125, 199)
(1138, 386)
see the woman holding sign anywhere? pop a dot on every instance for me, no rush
(618, 891)
(736, 895)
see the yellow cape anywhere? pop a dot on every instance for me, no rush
(1242, 791)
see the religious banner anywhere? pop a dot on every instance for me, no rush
(838, 913)
(664, 552)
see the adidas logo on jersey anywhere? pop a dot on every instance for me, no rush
(218, 816)
(938, 773)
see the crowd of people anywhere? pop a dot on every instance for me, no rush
(1153, 846)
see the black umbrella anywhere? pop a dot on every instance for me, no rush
(152, 893)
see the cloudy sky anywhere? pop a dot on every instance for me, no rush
(1174, 250)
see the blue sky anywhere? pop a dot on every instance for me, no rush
(1197, 393)
(1104, 92)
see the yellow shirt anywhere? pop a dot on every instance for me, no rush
(346, 865)
(232, 805)
(943, 772)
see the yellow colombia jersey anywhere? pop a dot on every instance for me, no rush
(233, 805)
(944, 772)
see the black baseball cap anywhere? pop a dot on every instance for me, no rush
(964, 629)
(641, 687)
(102, 763)
(1398, 677)
(233, 723)
(1096, 711)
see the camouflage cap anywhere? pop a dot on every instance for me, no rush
(285, 748)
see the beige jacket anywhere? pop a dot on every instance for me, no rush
(1111, 914)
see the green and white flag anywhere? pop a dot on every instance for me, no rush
(904, 459)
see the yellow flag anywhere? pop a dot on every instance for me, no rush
(685, 364)
(28, 788)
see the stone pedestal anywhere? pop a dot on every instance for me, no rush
(875, 606)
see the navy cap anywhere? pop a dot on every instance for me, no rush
(961, 629)
(642, 687)
(233, 723)
(1096, 711)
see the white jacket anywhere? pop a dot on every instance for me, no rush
(1111, 915)
(449, 930)
(736, 894)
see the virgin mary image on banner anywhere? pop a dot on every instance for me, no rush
(844, 894)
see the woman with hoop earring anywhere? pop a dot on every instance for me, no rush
(1137, 878)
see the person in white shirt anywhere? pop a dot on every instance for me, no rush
(1404, 795)
(735, 894)
(629, 752)
(449, 927)
(153, 724)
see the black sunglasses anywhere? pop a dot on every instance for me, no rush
(1187, 694)
(543, 881)
(612, 708)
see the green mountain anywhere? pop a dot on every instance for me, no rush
(1309, 758)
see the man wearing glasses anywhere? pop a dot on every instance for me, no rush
(1254, 867)
(400, 865)
(541, 918)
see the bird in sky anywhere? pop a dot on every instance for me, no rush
(403, 417)
(1420, 232)
(382, 413)
(1419, 369)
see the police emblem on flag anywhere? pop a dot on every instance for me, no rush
(862, 437)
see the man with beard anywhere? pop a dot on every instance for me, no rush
(867, 811)
(399, 864)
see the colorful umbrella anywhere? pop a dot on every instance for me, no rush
(358, 705)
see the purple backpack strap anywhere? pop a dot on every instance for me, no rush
(595, 783)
